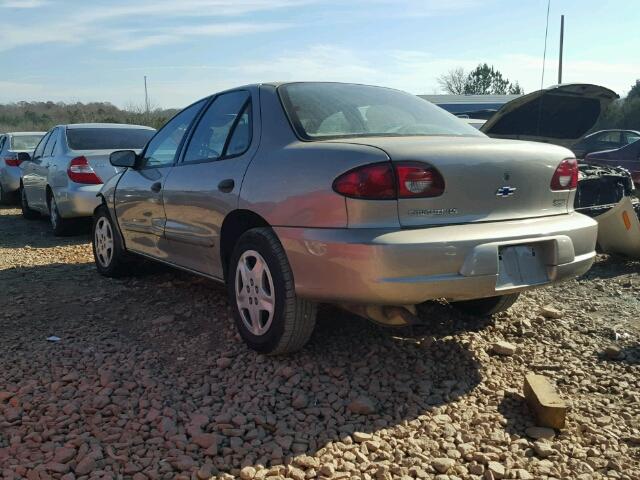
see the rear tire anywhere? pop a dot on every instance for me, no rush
(485, 307)
(269, 315)
(27, 212)
(110, 257)
(60, 226)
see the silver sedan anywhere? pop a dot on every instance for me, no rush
(361, 196)
(68, 168)
(11, 144)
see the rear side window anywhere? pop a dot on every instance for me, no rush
(108, 138)
(51, 144)
(40, 148)
(224, 129)
(24, 142)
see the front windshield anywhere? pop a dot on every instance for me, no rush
(335, 110)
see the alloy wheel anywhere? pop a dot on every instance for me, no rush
(103, 240)
(255, 294)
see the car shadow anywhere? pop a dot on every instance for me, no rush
(173, 335)
(612, 266)
(37, 233)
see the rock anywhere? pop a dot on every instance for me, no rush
(64, 454)
(360, 437)
(504, 348)
(305, 461)
(300, 401)
(545, 403)
(362, 406)
(86, 465)
(497, 469)
(549, 312)
(442, 465)
(612, 352)
(540, 432)
(223, 362)
(247, 473)
(205, 440)
(543, 449)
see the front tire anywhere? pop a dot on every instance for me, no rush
(269, 315)
(27, 212)
(485, 307)
(109, 255)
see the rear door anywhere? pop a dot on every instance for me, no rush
(138, 198)
(204, 186)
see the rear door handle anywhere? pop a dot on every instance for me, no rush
(156, 187)
(226, 185)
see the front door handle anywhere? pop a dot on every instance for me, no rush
(226, 185)
(156, 187)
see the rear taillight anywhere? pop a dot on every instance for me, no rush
(386, 181)
(417, 179)
(566, 175)
(81, 172)
(12, 161)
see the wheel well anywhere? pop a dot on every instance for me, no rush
(234, 225)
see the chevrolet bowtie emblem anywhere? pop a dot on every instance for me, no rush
(505, 191)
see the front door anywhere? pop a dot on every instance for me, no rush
(34, 176)
(138, 198)
(204, 186)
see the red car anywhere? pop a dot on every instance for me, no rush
(627, 157)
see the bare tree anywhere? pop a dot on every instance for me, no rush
(454, 81)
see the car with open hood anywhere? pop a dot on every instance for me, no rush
(366, 197)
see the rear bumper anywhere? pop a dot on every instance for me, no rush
(456, 262)
(10, 178)
(77, 200)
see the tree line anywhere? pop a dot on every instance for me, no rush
(42, 116)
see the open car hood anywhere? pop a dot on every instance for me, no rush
(560, 114)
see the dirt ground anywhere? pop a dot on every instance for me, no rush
(150, 381)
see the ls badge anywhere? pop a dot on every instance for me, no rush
(505, 191)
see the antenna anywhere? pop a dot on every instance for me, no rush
(146, 96)
(561, 48)
(544, 55)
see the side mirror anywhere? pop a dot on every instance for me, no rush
(23, 157)
(124, 158)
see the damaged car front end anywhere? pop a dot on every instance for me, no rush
(561, 115)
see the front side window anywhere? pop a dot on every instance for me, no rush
(335, 110)
(223, 130)
(24, 142)
(162, 149)
(108, 138)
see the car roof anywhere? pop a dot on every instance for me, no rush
(73, 126)
(614, 130)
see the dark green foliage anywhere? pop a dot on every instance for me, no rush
(623, 113)
(486, 80)
(41, 116)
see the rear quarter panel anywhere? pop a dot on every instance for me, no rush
(289, 182)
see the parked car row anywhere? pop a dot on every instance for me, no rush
(12, 144)
(298, 193)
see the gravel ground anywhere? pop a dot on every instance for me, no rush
(150, 380)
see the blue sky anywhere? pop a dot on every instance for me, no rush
(100, 50)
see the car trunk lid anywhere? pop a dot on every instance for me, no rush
(485, 180)
(99, 161)
(560, 114)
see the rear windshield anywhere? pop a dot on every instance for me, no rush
(108, 138)
(335, 110)
(24, 142)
